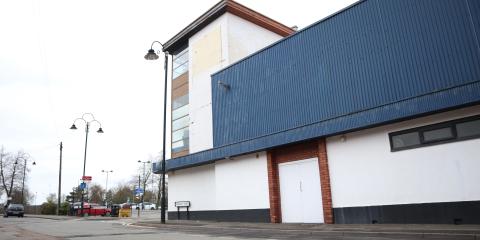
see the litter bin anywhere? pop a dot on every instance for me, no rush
(125, 211)
(115, 210)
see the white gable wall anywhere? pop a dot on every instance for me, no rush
(221, 43)
(245, 38)
(207, 54)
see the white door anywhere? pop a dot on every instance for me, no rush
(300, 192)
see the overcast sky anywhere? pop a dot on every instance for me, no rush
(62, 58)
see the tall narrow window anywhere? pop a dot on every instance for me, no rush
(180, 123)
(180, 104)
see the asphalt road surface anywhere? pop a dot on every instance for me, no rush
(49, 229)
(147, 227)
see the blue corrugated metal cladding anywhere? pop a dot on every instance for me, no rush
(375, 53)
(377, 61)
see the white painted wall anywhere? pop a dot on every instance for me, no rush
(245, 38)
(196, 185)
(242, 182)
(238, 183)
(239, 38)
(200, 96)
(363, 171)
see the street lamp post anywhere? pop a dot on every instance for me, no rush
(87, 127)
(138, 207)
(106, 184)
(60, 180)
(151, 55)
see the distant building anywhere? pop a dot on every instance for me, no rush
(371, 115)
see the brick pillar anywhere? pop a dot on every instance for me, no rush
(274, 189)
(325, 182)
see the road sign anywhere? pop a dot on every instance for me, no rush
(138, 191)
(82, 185)
(87, 178)
(182, 204)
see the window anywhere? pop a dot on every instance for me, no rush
(406, 140)
(180, 63)
(438, 134)
(180, 134)
(180, 106)
(180, 145)
(180, 112)
(180, 124)
(451, 131)
(180, 140)
(468, 129)
(180, 101)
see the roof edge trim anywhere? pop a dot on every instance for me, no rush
(237, 9)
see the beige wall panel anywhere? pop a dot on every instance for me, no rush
(207, 51)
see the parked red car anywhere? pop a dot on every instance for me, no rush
(91, 209)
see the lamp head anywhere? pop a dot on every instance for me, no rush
(151, 55)
(73, 127)
(100, 130)
(139, 161)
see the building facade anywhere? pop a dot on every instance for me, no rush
(221, 36)
(371, 115)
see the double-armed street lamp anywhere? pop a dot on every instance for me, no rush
(151, 55)
(88, 122)
(106, 184)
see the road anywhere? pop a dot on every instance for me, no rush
(76, 229)
(147, 227)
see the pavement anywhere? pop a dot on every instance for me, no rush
(294, 231)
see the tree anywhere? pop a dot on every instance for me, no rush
(16, 195)
(122, 193)
(11, 174)
(74, 196)
(158, 178)
(49, 207)
(64, 207)
(108, 197)
(96, 193)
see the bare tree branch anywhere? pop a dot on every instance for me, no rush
(3, 156)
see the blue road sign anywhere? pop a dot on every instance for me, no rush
(83, 185)
(138, 191)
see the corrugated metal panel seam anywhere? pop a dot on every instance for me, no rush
(445, 99)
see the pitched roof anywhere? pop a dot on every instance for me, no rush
(181, 38)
